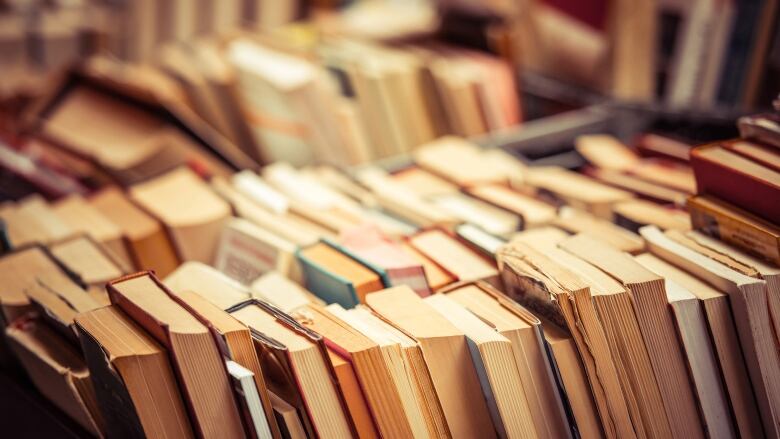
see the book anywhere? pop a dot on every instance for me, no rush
(208, 282)
(132, 376)
(735, 226)
(436, 276)
(193, 352)
(725, 339)
(562, 186)
(32, 220)
(736, 180)
(246, 251)
(648, 295)
(82, 256)
(282, 292)
(757, 152)
(491, 352)
(423, 182)
(285, 346)
(287, 417)
(236, 344)
(148, 245)
(479, 240)
(638, 213)
(453, 256)
(467, 209)
(458, 161)
(397, 266)
(748, 299)
(446, 355)
(522, 330)
(193, 222)
(75, 211)
(565, 289)
(576, 221)
(699, 352)
(532, 211)
(337, 277)
(57, 370)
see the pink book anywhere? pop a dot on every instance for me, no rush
(398, 267)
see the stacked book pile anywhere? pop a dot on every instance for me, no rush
(457, 294)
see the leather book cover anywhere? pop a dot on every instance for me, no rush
(735, 187)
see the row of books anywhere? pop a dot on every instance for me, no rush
(395, 302)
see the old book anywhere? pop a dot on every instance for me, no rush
(446, 355)
(573, 379)
(75, 211)
(748, 299)
(57, 370)
(495, 363)
(89, 261)
(398, 267)
(335, 276)
(566, 187)
(20, 270)
(725, 339)
(532, 211)
(248, 397)
(457, 160)
(699, 352)
(304, 376)
(436, 276)
(452, 255)
(287, 417)
(282, 292)
(574, 294)
(246, 251)
(648, 295)
(240, 349)
(735, 226)
(207, 281)
(404, 361)
(467, 209)
(576, 221)
(737, 180)
(763, 154)
(479, 240)
(522, 329)
(194, 221)
(640, 187)
(33, 220)
(149, 246)
(193, 351)
(606, 152)
(637, 213)
(133, 378)
(424, 183)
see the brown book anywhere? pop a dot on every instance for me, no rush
(300, 371)
(133, 378)
(93, 265)
(287, 418)
(446, 355)
(238, 342)
(192, 214)
(568, 291)
(640, 187)
(32, 220)
(748, 298)
(452, 255)
(80, 216)
(147, 242)
(57, 370)
(60, 300)
(208, 282)
(193, 351)
(757, 152)
(735, 226)
(648, 295)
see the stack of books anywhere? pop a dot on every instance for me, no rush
(738, 182)
(461, 293)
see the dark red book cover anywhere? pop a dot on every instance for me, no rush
(728, 183)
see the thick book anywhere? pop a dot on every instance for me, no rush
(133, 378)
(197, 361)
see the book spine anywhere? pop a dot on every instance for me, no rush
(733, 231)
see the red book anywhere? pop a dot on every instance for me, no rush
(737, 180)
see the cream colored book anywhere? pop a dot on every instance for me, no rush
(648, 296)
(578, 221)
(193, 215)
(446, 354)
(208, 282)
(532, 211)
(282, 292)
(457, 160)
(453, 256)
(699, 352)
(497, 367)
(748, 298)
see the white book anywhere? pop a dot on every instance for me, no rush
(253, 187)
(244, 383)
